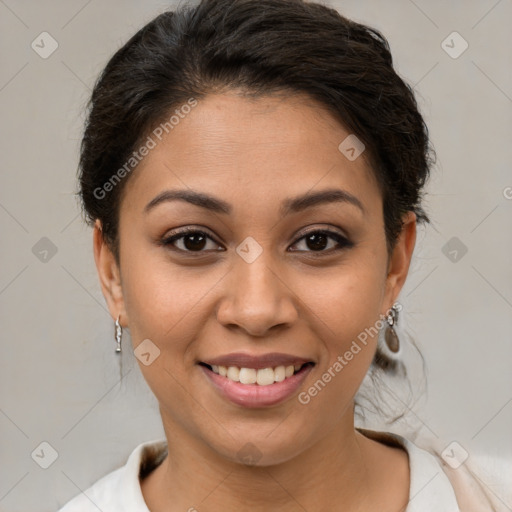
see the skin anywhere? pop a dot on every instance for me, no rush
(253, 154)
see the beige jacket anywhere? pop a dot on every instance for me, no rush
(471, 493)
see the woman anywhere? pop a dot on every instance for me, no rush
(253, 171)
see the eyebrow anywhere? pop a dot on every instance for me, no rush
(290, 205)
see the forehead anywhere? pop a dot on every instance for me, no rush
(252, 150)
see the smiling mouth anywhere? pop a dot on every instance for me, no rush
(258, 376)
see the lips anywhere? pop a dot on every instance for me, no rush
(269, 360)
(256, 380)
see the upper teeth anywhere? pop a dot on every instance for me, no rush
(263, 376)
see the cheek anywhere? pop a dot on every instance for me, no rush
(347, 299)
(164, 301)
(345, 310)
(345, 313)
(163, 304)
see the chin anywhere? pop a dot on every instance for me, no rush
(260, 446)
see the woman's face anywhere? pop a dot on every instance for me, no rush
(274, 269)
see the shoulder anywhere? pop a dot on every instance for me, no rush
(476, 489)
(478, 482)
(119, 491)
(437, 485)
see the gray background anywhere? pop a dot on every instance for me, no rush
(60, 381)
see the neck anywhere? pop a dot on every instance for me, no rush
(336, 469)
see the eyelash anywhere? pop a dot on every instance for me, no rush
(343, 242)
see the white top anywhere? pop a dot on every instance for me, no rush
(432, 484)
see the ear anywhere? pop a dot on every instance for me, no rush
(109, 275)
(400, 259)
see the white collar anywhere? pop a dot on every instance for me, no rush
(430, 488)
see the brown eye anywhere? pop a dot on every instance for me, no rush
(319, 241)
(190, 240)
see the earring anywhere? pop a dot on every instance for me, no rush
(390, 336)
(119, 334)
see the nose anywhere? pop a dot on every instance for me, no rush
(257, 298)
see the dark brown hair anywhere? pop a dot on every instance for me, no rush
(260, 47)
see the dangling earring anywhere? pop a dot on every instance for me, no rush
(388, 356)
(390, 336)
(119, 335)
